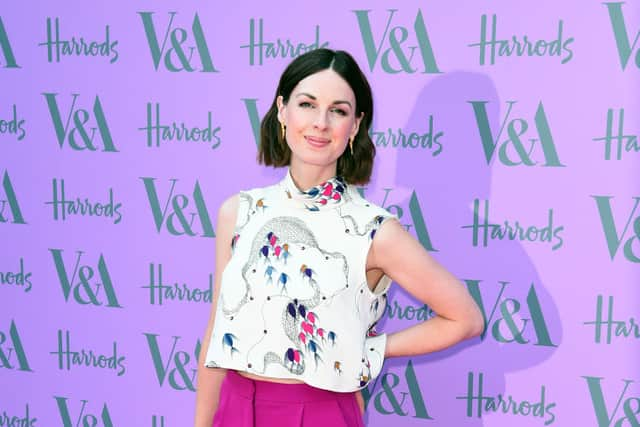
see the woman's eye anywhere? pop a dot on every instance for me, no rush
(307, 104)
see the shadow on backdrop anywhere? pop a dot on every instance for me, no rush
(446, 186)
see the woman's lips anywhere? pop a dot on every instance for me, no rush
(317, 142)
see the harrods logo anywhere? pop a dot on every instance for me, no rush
(81, 135)
(513, 149)
(609, 415)
(481, 402)
(272, 49)
(173, 132)
(87, 286)
(614, 327)
(77, 45)
(616, 141)
(18, 279)
(63, 207)
(177, 367)
(394, 310)
(511, 325)
(9, 420)
(399, 138)
(5, 47)
(520, 45)
(84, 418)
(9, 207)
(160, 292)
(180, 56)
(389, 395)
(179, 218)
(12, 353)
(483, 230)
(71, 356)
(13, 125)
(393, 49)
(626, 48)
(626, 233)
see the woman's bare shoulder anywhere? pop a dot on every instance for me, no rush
(228, 211)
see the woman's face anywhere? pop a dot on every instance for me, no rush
(320, 118)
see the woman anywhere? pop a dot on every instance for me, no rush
(301, 285)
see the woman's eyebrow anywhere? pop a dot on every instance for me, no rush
(308, 95)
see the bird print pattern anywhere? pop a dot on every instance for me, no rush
(293, 297)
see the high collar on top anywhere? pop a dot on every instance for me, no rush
(329, 194)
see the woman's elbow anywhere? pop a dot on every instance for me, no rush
(475, 324)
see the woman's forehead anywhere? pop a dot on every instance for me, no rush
(325, 85)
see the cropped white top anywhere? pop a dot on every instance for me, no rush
(294, 300)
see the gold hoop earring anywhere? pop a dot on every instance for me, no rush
(351, 145)
(282, 128)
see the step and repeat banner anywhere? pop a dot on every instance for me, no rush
(507, 144)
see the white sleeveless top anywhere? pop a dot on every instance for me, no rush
(294, 300)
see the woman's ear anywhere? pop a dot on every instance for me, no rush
(281, 107)
(356, 125)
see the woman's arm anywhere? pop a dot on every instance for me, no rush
(209, 379)
(404, 260)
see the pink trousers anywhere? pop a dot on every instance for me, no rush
(248, 403)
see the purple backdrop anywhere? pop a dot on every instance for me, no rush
(507, 144)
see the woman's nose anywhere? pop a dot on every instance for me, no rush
(320, 120)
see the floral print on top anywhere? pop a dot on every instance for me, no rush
(294, 301)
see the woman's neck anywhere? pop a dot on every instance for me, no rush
(307, 176)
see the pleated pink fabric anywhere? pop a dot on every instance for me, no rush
(248, 403)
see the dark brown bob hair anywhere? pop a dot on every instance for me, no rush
(273, 151)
